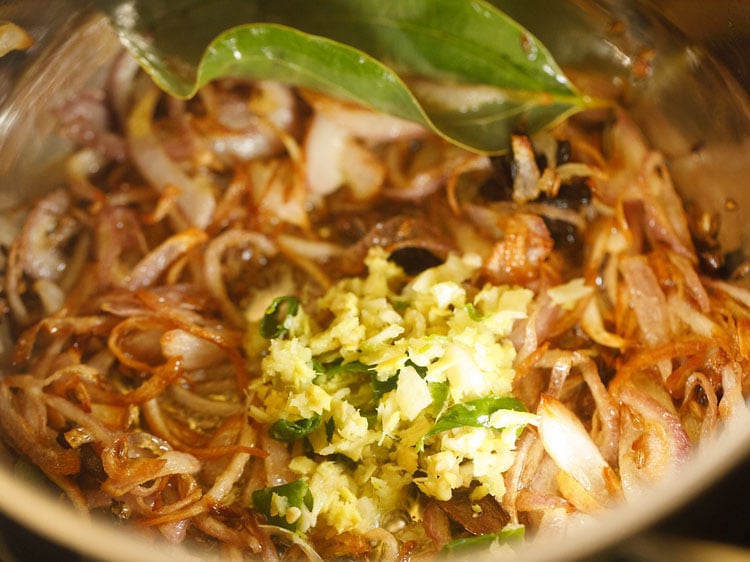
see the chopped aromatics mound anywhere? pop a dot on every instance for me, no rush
(271, 324)
(410, 379)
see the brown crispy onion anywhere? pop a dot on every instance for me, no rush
(132, 301)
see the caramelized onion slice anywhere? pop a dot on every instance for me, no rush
(361, 122)
(196, 199)
(153, 265)
(134, 459)
(568, 443)
(13, 38)
(653, 443)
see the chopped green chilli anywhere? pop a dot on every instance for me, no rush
(286, 505)
(272, 325)
(285, 430)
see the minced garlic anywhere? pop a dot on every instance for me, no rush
(376, 385)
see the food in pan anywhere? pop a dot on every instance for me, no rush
(272, 323)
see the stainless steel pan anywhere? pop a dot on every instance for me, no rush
(691, 107)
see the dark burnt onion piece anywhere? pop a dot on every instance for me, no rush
(437, 525)
(568, 240)
(736, 265)
(395, 234)
(574, 194)
(713, 260)
(499, 186)
(478, 517)
(564, 152)
(414, 260)
(91, 464)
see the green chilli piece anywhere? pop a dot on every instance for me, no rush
(510, 534)
(287, 431)
(381, 388)
(473, 313)
(272, 324)
(475, 413)
(353, 367)
(295, 495)
(439, 392)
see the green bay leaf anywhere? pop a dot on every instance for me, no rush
(460, 67)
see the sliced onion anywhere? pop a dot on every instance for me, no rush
(318, 250)
(593, 324)
(13, 38)
(324, 155)
(224, 483)
(693, 283)
(237, 538)
(572, 170)
(647, 300)
(414, 177)
(735, 292)
(628, 151)
(361, 122)
(525, 183)
(196, 198)
(518, 257)
(364, 173)
(733, 409)
(559, 373)
(279, 192)
(50, 294)
(120, 85)
(194, 353)
(134, 459)
(568, 443)
(697, 323)
(152, 266)
(295, 539)
(118, 233)
(576, 494)
(175, 531)
(295, 251)
(213, 269)
(45, 231)
(708, 396)
(277, 461)
(76, 325)
(78, 169)
(653, 443)
(23, 420)
(607, 410)
(203, 405)
(160, 426)
(667, 221)
(388, 544)
(87, 121)
(245, 131)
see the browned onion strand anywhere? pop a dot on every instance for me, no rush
(126, 296)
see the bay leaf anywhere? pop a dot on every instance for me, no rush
(461, 67)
